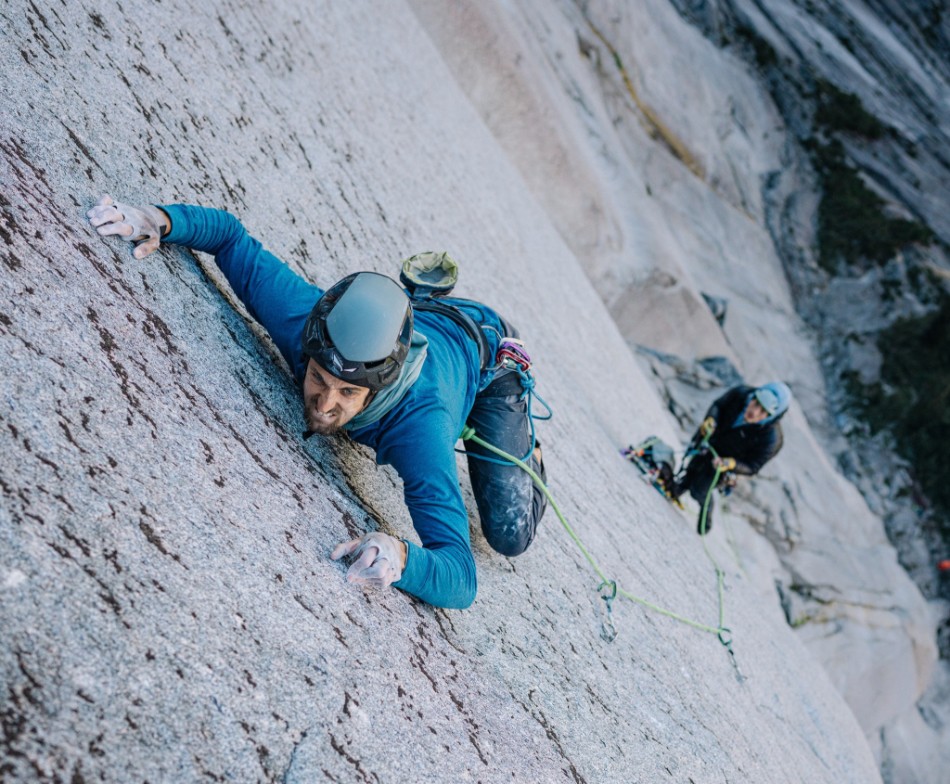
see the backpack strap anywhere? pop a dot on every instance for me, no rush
(461, 318)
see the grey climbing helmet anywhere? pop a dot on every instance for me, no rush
(360, 330)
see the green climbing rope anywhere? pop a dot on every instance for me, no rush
(723, 633)
(720, 575)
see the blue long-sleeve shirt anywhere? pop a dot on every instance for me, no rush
(417, 436)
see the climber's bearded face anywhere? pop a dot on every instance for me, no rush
(329, 402)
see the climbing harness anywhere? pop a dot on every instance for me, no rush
(512, 357)
(693, 449)
(608, 630)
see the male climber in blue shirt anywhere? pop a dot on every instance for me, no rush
(400, 375)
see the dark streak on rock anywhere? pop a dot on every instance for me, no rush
(340, 637)
(153, 325)
(44, 460)
(418, 662)
(109, 346)
(99, 23)
(76, 540)
(552, 736)
(82, 695)
(290, 540)
(155, 540)
(112, 556)
(69, 435)
(34, 684)
(61, 551)
(82, 147)
(357, 765)
(107, 595)
(8, 225)
(351, 526)
(234, 433)
(307, 607)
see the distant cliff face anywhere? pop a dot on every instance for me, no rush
(169, 612)
(864, 93)
(789, 161)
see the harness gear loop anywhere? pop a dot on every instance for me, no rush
(512, 357)
(512, 354)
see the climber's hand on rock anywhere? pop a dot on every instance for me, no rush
(378, 559)
(143, 226)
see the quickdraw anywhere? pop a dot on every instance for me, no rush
(608, 631)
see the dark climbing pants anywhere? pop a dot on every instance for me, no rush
(509, 504)
(699, 477)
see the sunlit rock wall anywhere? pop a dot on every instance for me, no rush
(669, 171)
(167, 606)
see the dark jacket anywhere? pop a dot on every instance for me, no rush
(751, 446)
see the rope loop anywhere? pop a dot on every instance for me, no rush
(612, 586)
(527, 383)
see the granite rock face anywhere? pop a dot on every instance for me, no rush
(676, 173)
(168, 608)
